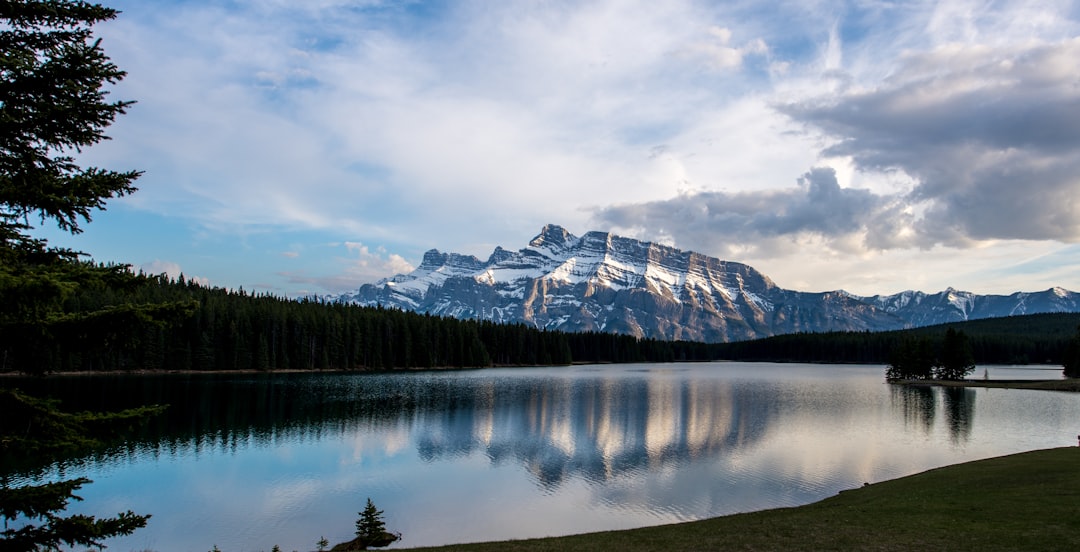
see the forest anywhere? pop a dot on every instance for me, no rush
(201, 328)
(1027, 339)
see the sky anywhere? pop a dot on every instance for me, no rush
(872, 146)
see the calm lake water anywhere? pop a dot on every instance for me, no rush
(245, 462)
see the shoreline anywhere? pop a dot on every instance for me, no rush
(1071, 385)
(994, 504)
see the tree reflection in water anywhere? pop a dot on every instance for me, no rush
(918, 406)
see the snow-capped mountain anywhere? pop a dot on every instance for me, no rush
(607, 283)
(951, 305)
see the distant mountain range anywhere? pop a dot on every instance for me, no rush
(606, 283)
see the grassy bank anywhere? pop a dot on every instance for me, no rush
(1028, 501)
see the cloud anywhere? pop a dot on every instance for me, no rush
(985, 140)
(368, 117)
(170, 269)
(991, 135)
(362, 266)
(756, 222)
(465, 125)
(718, 52)
(380, 262)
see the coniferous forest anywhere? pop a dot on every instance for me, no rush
(215, 329)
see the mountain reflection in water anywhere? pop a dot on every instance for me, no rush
(557, 428)
(595, 429)
(257, 460)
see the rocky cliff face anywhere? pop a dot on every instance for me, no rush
(606, 283)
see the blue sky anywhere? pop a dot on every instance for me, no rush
(871, 146)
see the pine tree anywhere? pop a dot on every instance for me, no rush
(910, 360)
(33, 431)
(957, 359)
(53, 103)
(53, 78)
(1071, 363)
(370, 525)
(371, 530)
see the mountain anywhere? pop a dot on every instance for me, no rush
(606, 283)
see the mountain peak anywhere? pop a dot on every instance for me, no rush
(601, 282)
(551, 235)
(433, 259)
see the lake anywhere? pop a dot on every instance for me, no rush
(246, 461)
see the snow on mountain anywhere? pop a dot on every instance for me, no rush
(608, 283)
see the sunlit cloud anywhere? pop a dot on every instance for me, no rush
(949, 128)
(991, 135)
(362, 265)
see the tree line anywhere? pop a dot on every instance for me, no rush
(1028, 339)
(202, 328)
(117, 321)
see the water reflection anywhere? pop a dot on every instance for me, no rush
(959, 412)
(255, 461)
(596, 429)
(917, 405)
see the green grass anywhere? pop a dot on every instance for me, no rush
(1028, 501)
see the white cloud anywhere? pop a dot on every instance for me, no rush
(362, 266)
(720, 54)
(288, 116)
(379, 263)
(172, 270)
(466, 125)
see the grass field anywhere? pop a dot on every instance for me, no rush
(1028, 501)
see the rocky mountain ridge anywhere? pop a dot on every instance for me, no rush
(607, 283)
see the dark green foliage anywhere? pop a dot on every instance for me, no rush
(44, 311)
(917, 358)
(236, 330)
(956, 360)
(34, 431)
(39, 503)
(912, 359)
(370, 525)
(1071, 358)
(1029, 339)
(370, 532)
(52, 104)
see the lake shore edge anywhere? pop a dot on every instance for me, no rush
(1069, 384)
(1022, 501)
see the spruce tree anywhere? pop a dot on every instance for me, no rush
(910, 360)
(53, 77)
(371, 530)
(1071, 362)
(370, 525)
(53, 88)
(957, 359)
(34, 431)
